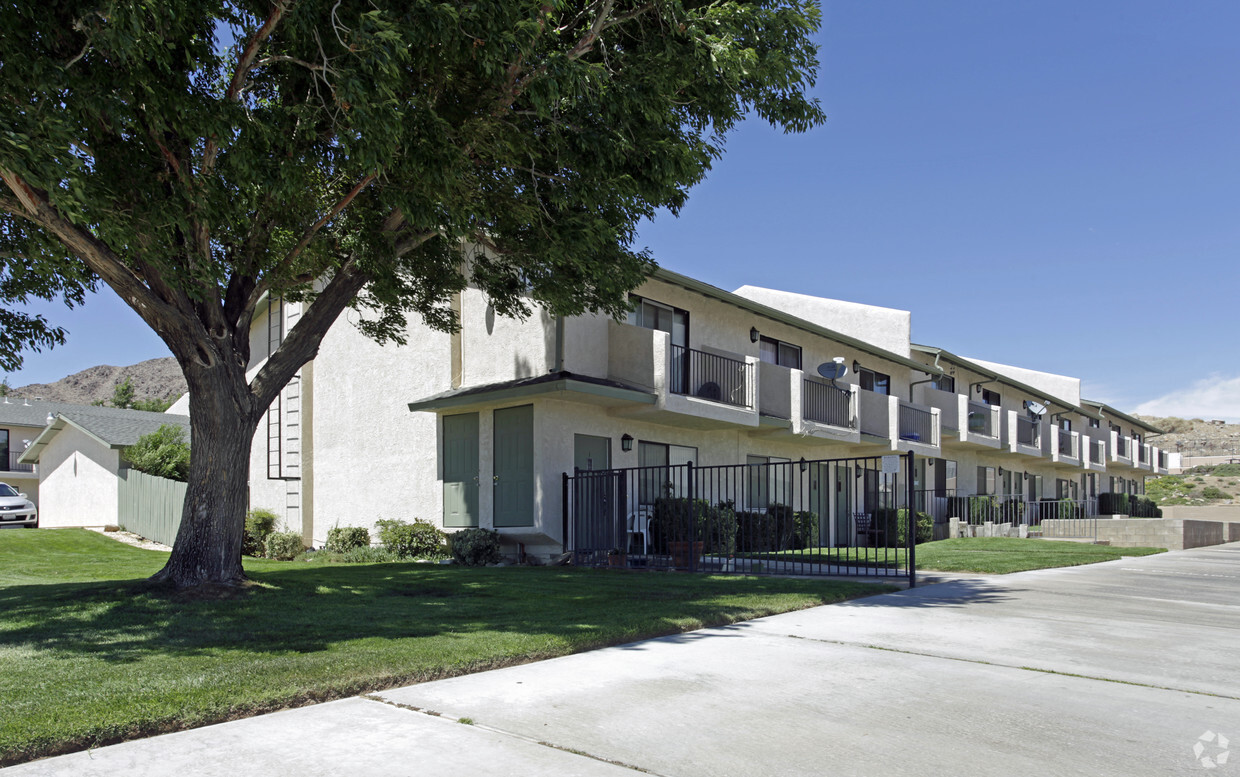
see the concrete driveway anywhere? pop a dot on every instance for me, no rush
(1125, 668)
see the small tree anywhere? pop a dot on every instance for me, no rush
(164, 453)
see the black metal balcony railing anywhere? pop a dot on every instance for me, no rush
(1143, 453)
(826, 404)
(1121, 446)
(14, 466)
(1097, 451)
(1027, 432)
(916, 423)
(710, 376)
(1065, 443)
(979, 419)
(1162, 459)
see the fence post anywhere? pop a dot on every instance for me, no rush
(693, 527)
(911, 555)
(564, 510)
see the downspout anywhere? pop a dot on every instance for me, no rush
(559, 344)
(930, 379)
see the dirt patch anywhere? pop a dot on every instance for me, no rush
(129, 538)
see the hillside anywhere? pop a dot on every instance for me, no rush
(153, 379)
(1195, 436)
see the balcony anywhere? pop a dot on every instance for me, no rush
(1024, 434)
(824, 403)
(902, 425)
(13, 465)
(693, 388)
(975, 424)
(1121, 450)
(1066, 448)
(1095, 458)
(1144, 457)
(1161, 461)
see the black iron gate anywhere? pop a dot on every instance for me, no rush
(845, 516)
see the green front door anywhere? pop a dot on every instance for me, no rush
(514, 466)
(460, 470)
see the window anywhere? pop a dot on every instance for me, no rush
(4, 450)
(654, 483)
(990, 397)
(781, 353)
(944, 383)
(769, 484)
(877, 382)
(985, 480)
(1035, 487)
(1065, 424)
(1094, 423)
(665, 318)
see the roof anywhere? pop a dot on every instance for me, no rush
(552, 382)
(999, 377)
(705, 289)
(109, 426)
(1107, 410)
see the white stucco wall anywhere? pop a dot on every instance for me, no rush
(1064, 387)
(495, 348)
(886, 328)
(77, 481)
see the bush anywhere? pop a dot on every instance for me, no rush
(1226, 470)
(342, 539)
(892, 525)
(259, 523)
(475, 547)
(419, 539)
(366, 555)
(806, 530)
(284, 545)
(163, 453)
(1210, 492)
(675, 519)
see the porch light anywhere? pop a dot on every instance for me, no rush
(804, 464)
(856, 367)
(754, 334)
(626, 443)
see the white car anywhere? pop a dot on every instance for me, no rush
(16, 509)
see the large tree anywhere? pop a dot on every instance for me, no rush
(196, 156)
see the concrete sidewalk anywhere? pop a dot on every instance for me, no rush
(1111, 669)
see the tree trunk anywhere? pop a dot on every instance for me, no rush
(222, 424)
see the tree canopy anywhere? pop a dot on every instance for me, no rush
(164, 453)
(197, 156)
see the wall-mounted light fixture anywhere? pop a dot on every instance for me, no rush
(754, 334)
(804, 464)
(626, 443)
(856, 367)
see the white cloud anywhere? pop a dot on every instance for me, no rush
(1213, 397)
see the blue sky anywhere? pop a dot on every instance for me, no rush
(1049, 184)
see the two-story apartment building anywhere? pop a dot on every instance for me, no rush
(478, 428)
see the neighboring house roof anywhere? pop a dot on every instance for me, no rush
(1107, 410)
(550, 383)
(705, 289)
(998, 377)
(111, 427)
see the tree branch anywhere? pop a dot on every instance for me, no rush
(331, 214)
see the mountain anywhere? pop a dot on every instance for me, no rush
(153, 379)
(1196, 436)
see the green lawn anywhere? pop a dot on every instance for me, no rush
(90, 653)
(988, 555)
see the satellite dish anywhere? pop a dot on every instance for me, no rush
(832, 370)
(1037, 408)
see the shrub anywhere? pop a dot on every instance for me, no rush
(284, 545)
(419, 539)
(1227, 470)
(806, 529)
(163, 453)
(345, 538)
(259, 523)
(475, 547)
(1211, 492)
(892, 525)
(676, 519)
(365, 555)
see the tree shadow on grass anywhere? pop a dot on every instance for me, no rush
(306, 610)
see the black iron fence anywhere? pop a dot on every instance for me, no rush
(916, 423)
(1121, 446)
(826, 404)
(823, 517)
(1013, 510)
(1143, 453)
(711, 376)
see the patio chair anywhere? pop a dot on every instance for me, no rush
(864, 527)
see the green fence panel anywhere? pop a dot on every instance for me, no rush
(150, 506)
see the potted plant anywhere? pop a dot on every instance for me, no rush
(617, 558)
